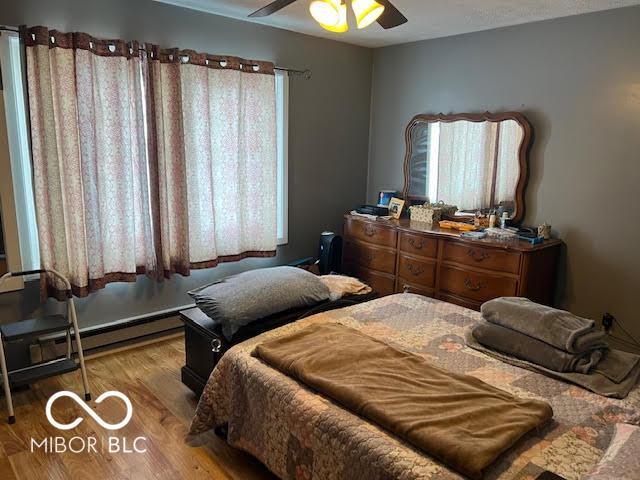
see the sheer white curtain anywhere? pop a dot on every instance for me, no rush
(466, 162)
(215, 122)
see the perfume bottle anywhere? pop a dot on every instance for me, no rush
(504, 220)
(492, 219)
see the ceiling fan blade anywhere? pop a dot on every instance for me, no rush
(391, 17)
(273, 7)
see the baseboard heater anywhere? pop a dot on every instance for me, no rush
(113, 334)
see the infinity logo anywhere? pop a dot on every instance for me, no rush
(86, 408)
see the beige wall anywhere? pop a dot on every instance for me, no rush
(577, 79)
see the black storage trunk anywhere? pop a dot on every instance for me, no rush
(205, 344)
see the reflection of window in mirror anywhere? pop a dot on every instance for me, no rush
(474, 165)
(434, 152)
(16, 188)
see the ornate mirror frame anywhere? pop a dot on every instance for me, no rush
(523, 151)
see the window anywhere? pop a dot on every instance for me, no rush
(19, 151)
(282, 128)
(13, 68)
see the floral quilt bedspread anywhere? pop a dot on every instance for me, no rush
(298, 434)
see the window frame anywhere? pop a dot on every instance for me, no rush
(16, 113)
(282, 141)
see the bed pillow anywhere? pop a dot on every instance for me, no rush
(249, 296)
(621, 460)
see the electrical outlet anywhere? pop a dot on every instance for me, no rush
(607, 321)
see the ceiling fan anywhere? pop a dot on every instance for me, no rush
(332, 14)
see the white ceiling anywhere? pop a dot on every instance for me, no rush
(427, 18)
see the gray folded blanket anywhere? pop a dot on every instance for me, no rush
(558, 328)
(595, 381)
(533, 350)
(617, 365)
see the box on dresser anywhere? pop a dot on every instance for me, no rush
(397, 255)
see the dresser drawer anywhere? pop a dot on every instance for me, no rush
(476, 286)
(418, 245)
(376, 258)
(380, 283)
(463, 302)
(489, 258)
(417, 271)
(405, 286)
(371, 232)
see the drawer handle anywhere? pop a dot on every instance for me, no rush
(369, 231)
(477, 256)
(369, 257)
(415, 269)
(417, 244)
(216, 345)
(470, 286)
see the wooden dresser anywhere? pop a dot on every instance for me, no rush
(398, 255)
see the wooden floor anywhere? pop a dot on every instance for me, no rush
(162, 409)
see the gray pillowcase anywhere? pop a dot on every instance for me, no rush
(249, 296)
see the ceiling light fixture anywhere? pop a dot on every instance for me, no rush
(367, 12)
(332, 14)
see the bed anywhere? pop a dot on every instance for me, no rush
(298, 434)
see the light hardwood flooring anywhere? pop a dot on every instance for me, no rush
(162, 409)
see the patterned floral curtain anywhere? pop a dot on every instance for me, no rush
(147, 160)
(90, 158)
(216, 142)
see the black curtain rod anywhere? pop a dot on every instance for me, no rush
(306, 74)
(4, 28)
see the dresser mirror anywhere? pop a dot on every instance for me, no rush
(477, 162)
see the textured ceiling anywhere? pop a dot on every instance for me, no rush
(427, 18)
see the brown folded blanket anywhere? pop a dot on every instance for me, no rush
(558, 328)
(455, 418)
(533, 350)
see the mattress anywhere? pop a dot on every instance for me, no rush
(297, 433)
